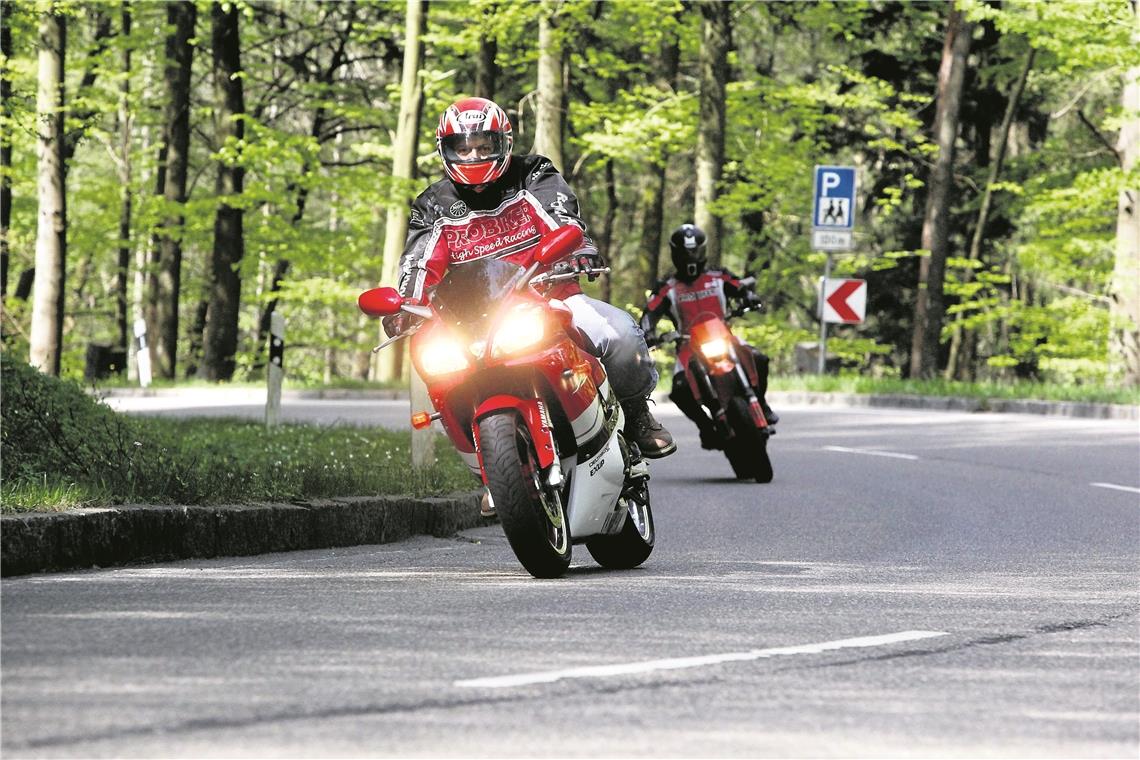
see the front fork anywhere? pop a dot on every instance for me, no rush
(711, 394)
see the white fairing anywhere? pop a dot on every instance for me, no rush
(587, 424)
(594, 490)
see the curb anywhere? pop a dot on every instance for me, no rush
(960, 404)
(39, 542)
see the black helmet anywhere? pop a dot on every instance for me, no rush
(687, 247)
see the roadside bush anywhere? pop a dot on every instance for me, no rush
(60, 448)
(51, 427)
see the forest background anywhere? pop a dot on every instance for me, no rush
(200, 165)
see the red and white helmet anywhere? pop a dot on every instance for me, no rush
(474, 140)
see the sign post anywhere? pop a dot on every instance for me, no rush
(275, 373)
(142, 355)
(832, 229)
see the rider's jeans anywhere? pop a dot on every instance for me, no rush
(618, 342)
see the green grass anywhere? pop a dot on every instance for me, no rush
(60, 449)
(48, 496)
(986, 390)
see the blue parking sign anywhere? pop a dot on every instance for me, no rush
(834, 206)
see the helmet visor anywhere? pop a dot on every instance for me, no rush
(473, 147)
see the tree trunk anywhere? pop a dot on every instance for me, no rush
(281, 267)
(179, 58)
(1124, 342)
(608, 249)
(404, 162)
(716, 39)
(929, 306)
(122, 272)
(221, 339)
(5, 155)
(51, 229)
(195, 352)
(655, 196)
(952, 365)
(548, 120)
(486, 69)
(141, 309)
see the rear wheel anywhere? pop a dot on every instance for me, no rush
(747, 450)
(634, 543)
(532, 514)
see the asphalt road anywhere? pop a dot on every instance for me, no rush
(912, 584)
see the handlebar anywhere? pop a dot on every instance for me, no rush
(551, 277)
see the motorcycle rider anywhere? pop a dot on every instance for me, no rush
(693, 293)
(491, 203)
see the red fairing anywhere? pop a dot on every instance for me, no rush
(574, 393)
(536, 422)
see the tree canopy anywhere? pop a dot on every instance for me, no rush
(290, 177)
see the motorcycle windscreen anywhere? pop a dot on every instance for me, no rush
(470, 293)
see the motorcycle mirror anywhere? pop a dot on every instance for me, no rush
(558, 244)
(380, 302)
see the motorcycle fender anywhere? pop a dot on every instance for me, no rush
(535, 416)
(595, 487)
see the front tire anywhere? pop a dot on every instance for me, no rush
(747, 450)
(533, 515)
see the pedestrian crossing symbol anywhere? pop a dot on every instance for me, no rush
(834, 212)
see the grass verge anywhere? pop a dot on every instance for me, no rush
(60, 449)
(987, 390)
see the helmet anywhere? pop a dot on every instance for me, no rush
(474, 140)
(687, 247)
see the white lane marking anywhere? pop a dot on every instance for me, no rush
(1115, 487)
(678, 663)
(870, 452)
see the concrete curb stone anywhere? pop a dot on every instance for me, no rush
(41, 541)
(959, 404)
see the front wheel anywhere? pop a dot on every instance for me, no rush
(633, 544)
(747, 450)
(533, 515)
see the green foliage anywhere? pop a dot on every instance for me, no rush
(855, 383)
(60, 447)
(824, 82)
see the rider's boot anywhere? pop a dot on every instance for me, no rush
(771, 417)
(710, 437)
(486, 506)
(644, 430)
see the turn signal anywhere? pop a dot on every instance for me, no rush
(421, 420)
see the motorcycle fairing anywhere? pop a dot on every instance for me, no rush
(595, 483)
(534, 415)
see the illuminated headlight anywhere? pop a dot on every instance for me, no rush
(442, 356)
(522, 327)
(715, 348)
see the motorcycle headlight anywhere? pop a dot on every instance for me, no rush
(714, 349)
(522, 327)
(442, 355)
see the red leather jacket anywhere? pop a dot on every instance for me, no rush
(688, 303)
(451, 224)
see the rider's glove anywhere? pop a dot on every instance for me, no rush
(396, 324)
(579, 263)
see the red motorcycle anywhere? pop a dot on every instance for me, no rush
(721, 372)
(529, 410)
